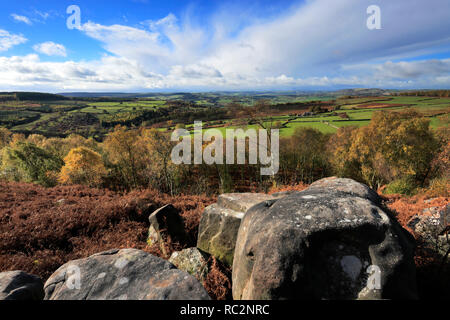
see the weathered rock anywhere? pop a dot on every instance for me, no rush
(445, 217)
(433, 220)
(18, 285)
(126, 274)
(323, 243)
(349, 186)
(425, 225)
(241, 202)
(220, 223)
(431, 226)
(193, 261)
(166, 222)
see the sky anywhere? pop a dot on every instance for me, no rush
(156, 45)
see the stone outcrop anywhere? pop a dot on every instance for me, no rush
(18, 285)
(193, 261)
(165, 223)
(220, 223)
(330, 241)
(127, 274)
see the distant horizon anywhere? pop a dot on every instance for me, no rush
(172, 91)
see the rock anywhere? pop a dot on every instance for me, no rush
(431, 226)
(18, 285)
(220, 223)
(241, 202)
(433, 220)
(323, 243)
(412, 223)
(445, 217)
(425, 225)
(166, 222)
(193, 261)
(349, 186)
(126, 274)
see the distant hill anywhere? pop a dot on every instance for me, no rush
(103, 94)
(364, 92)
(33, 96)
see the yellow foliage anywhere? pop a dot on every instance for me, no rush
(82, 166)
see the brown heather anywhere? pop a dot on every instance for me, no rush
(41, 228)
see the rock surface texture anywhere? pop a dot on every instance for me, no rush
(193, 261)
(127, 274)
(220, 223)
(330, 241)
(433, 228)
(18, 285)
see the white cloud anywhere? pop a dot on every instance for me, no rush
(51, 49)
(118, 74)
(23, 19)
(8, 40)
(42, 15)
(108, 73)
(415, 69)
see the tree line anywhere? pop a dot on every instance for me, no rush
(397, 149)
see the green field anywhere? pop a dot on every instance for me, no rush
(97, 116)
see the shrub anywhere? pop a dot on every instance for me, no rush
(25, 161)
(405, 186)
(438, 187)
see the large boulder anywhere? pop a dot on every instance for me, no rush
(220, 223)
(165, 223)
(18, 285)
(126, 274)
(349, 186)
(193, 261)
(323, 243)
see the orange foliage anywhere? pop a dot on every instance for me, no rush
(83, 166)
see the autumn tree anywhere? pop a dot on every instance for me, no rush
(61, 146)
(83, 166)
(338, 148)
(395, 145)
(5, 137)
(25, 161)
(128, 156)
(36, 139)
(163, 173)
(304, 157)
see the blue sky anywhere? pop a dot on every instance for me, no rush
(152, 45)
